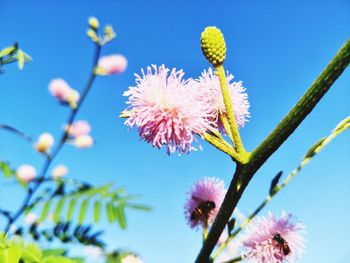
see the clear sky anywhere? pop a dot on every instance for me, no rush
(277, 48)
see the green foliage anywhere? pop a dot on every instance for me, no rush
(12, 54)
(16, 250)
(6, 169)
(75, 204)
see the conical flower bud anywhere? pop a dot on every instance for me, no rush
(213, 45)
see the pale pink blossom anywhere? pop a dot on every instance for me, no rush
(165, 109)
(209, 90)
(44, 143)
(112, 64)
(130, 258)
(207, 196)
(271, 240)
(92, 251)
(63, 92)
(30, 219)
(26, 173)
(83, 141)
(78, 128)
(59, 171)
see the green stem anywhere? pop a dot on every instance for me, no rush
(221, 145)
(225, 123)
(229, 109)
(284, 129)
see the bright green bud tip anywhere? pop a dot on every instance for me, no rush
(93, 23)
(213, 45)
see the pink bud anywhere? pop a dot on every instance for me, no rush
(112, 64)
(45, 142)
(26, 173)
(59, 171)
(79, 128)
(83, 141)
(63, 92)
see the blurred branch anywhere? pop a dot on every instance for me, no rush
(59, 146)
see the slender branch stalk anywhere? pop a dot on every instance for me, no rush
(229, 109)
(221, 145)
(283, 130)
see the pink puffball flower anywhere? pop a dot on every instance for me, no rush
(166, 109)
(79, 128)
(208, 86)
(44, 143)
(83, 141)
(112, 64)
(64, 93)
(209, 190)
(266, 238)
(26, 173)
(59, 171)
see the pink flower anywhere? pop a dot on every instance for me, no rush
(208, 86)
(83, 141)
(59, 171)
(271, 240)
(44, 143)
(131, 259)
(112, 64)
(79, 133)
(26, 173)
(30, 219)
(92, 251)
(166, 110)
(204, 201)
(79, 128)
(64, 93)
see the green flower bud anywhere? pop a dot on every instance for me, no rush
(213, 45)
(93, 23)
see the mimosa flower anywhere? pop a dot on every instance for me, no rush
(131, 259)
(112, 64)
(79, 128)
(271, 240)
(64, 93)
(166, 110)
(204, 201)
(83, 141)
(59, 171)
(44, 143)
(208, 86)
(26, 173)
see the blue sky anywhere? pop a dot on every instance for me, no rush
(277, 48)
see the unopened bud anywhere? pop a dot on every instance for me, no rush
(213, 45)
(93, 23)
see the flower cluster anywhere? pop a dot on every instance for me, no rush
(169, 110)
(204, 201)
(271, 240)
